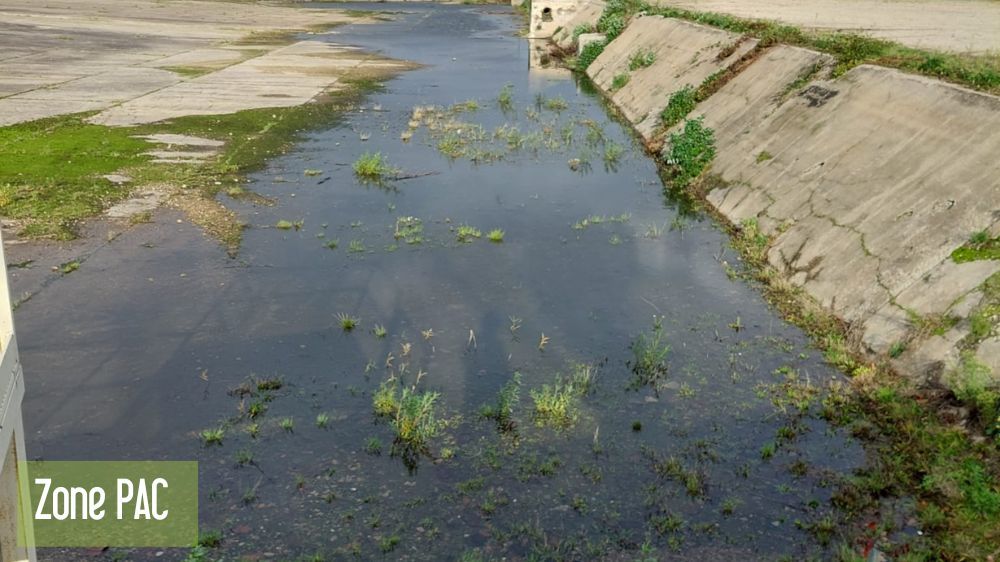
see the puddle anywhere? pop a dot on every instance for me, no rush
(698, 465)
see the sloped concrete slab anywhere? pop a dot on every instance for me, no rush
(586, 13)
(753, 94)
(904, 166)
(686, 54)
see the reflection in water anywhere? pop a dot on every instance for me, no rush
(698, 468)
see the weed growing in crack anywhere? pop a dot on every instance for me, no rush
(619, 81)
(589, 53)
(681, 103)
(642, 58)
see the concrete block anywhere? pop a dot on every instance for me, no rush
(588, 38)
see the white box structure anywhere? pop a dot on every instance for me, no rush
(549, 15)
(15, 516)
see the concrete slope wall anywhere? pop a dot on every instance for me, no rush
(587, 12)
(686, 54)
(738, 108)
(867, 182)
(873, 180)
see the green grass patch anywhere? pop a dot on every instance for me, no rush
(619, 81)
(681, 103)
(980, 246)
(972, 383)
(689, 152)
(465, 233)
(581, 29)
(411, 412)
(373, 166)
(555, 405)
(649, 358)
(50, 171)
(589, 54)
(502, 411)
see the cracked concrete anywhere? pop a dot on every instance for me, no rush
(687, 54)
(867, 182)
(871, 160)
(70, 56)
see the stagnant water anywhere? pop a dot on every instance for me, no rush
(137, 352)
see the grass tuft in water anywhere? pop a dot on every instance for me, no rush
(556, 104)
(505, 99)
(502, 411)
(347, 322)
(496, 235)
(409, 230)
(372, 166)
(465, 233)
(212, 436)
(557, 404)
(649, 358)
(373, 446)
(411, 412)
(244, 457)
(612, 153)
(356, 247)
(322, 420)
